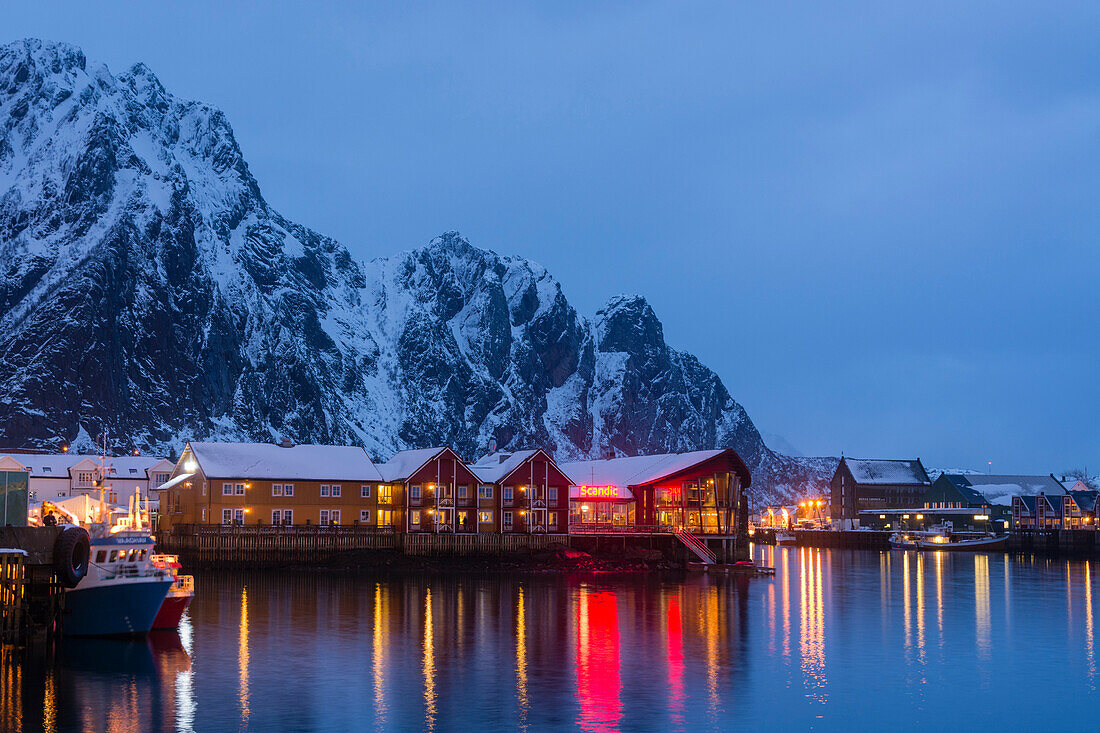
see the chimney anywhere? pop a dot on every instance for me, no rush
(286, 443)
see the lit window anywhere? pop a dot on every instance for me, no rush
(553, 519)
(485, 517)
(414, 516)
(364, 491)
(385, 494)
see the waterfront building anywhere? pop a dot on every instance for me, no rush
(865, 485)
(435, 490)
(521, 491)
(1037, 512)
(60, 476)
(283, 484)
(699, 491)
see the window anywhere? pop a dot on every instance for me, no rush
(364, 491)
(326, 490)
(485, 517)
(507, 520)
(507, 493)
(204, 515)
(462, 491)
(324, 516)
(414, 492)
(282, 516)
(227, 516)
(552, 494)
(227, 489)
(553, 519)
(288, 489)
(112, 497)
(84, 478)
(385, 517)
(385, 494)
(276, 490)
(238, 489)
(101, 556)
(238, 516)
(364, 516)
(160, 478)
(133, 472)
(414, 516)
(47, 469)
(485, 492)
(113, 557)
(336, 489)
(276, 516)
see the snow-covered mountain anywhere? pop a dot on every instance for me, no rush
(147, 289)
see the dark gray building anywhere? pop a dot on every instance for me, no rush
(863, 484)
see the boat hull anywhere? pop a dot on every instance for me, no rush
(115, 609)
(995, 543)
(171, 611)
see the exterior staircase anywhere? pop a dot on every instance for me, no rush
(694, 544)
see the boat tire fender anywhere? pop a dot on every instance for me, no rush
(71, 554)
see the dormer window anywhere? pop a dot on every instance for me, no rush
(47, 469)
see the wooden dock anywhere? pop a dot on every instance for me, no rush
(204, 546)
(32, 598)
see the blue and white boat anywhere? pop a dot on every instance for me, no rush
(122, 592)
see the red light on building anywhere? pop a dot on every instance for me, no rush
(609, 492)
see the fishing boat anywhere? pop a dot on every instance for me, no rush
(783, 537)
(123, 590)
(179, 595)
(956, 543)
(903, 541)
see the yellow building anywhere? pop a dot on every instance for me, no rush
(285, 484)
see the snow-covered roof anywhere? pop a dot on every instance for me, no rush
(875, 471)
(1000, 488)
(132, 466)
(57, 465)
(405, 463)
(633, 470)
(298, 462)
(492, 468)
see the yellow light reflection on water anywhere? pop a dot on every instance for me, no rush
(378, 652)
(49, 706)
(1089, 652)
(242, 658)
(429, 665)
(981, 603)
(812, 620)
(521, 658)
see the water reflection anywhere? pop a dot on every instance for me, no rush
(930, 633)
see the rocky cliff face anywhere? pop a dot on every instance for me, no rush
(147, 289)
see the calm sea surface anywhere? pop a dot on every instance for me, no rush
(838, 640)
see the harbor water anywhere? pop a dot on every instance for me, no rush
(836, 641)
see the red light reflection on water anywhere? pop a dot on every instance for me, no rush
(675, 655)
(598, 682)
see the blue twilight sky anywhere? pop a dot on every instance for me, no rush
(876, 221)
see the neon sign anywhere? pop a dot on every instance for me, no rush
(596, 491)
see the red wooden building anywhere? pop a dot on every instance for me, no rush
(523, 491)
(440, 490)
(700, 492)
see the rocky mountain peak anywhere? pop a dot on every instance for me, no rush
(147, 290)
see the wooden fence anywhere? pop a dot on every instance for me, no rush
(274, 546)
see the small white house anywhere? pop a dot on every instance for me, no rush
(59, 476)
